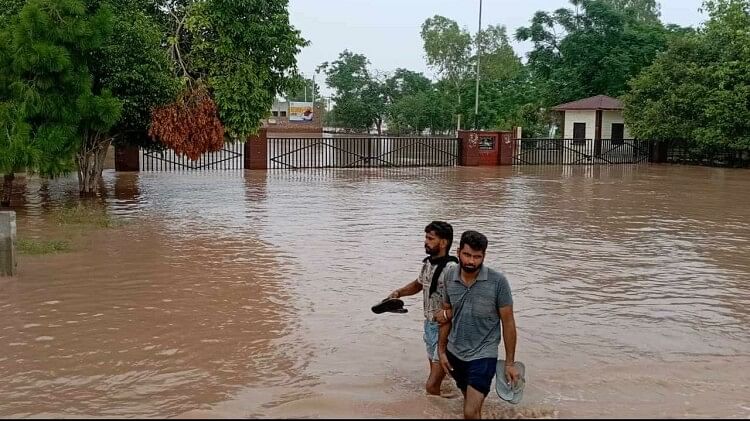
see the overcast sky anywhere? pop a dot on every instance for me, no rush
(387, 31)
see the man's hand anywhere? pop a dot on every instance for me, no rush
(511, 374)
(442, 316)
(394, 294)
(445, 363)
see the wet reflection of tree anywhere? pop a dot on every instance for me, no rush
(149, 322)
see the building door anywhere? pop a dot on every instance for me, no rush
(579, 133)
(618, 133)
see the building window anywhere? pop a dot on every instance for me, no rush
(275, 113)
(579, 133)
(618, 133)
(283, 113)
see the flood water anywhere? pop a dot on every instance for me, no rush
(248, 294)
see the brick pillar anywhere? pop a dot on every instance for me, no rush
(507, 148)
(127, 158)
(468, 148)
(256, 151)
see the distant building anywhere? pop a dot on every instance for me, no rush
(294, 117)
(598, 117)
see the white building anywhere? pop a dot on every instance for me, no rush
(593, 131)
(598, 117)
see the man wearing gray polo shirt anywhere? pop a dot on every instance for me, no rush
(476, 301)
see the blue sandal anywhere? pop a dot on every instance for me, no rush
(512, 394)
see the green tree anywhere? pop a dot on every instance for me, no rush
(136, 67)
(405, 82)
(448, 50)
(48, 52)
(410, 113)
(244, 51)
(360, 96)
(426, 109)
(132, 64)
(302, 89)
(641, 10)
(375, 95)
(498, 60)
(411, 102)
(589, 50)
(501, 81)
(347, 75)
(351, 112)
(698, 91)
(8, 11)
(17, 153)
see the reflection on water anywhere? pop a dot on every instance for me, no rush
(232, 294)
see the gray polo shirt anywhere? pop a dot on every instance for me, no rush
(475, 332)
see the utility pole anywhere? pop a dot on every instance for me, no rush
(479, 52)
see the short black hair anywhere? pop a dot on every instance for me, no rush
(442, 229)
(473, 239)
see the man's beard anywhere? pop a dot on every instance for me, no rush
(432, 251)
(470, 268)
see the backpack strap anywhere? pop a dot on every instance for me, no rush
(441, 263)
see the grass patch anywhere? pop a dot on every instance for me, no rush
(86, 215)
(37, 248)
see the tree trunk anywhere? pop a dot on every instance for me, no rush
(379, 122)
(7, 190)
(90, 160)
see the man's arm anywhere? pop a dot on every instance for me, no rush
(443, 315)
(445, 329)
(509, 338)
(411, 288)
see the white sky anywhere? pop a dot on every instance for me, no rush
(387, 31)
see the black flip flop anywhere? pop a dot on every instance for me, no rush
(390, 305)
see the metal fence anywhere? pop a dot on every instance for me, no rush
(230, 157)
(355, 152)
(687, 153)
(580, 151)
(368, 152)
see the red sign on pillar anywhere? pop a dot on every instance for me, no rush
(486, 148)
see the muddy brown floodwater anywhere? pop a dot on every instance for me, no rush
(248, 294)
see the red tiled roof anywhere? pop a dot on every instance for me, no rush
(599, 102)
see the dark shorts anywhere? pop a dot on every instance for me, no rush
(477, 373)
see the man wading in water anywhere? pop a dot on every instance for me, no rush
(477, 301)
(437, 242)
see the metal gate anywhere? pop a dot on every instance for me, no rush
(230, 157)
(355, 152)
(580, 151)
